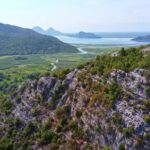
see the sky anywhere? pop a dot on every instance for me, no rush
(78, 15)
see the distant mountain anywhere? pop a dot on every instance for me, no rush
(16, 40)
(49, 31)
(87, 35)
(121, 34)
(142, 38)
(52, 31)
(38, 29)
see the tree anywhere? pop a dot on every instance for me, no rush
(122, 52)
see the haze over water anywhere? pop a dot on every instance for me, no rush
(107, 42)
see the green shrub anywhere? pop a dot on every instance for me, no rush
(59, 128)
(78, 113)
(98, 128)
(106, 148)
(79, 134)
(63, 112)
(113, 90)
(30, 128)
(18, 123)
(18, 99)
(61, 73)
(35, 112)
(148, 91)
(73, 125)
(117, 118)
(47, 124)
(33, 76)
(147, 104)
(80, 66)
(128, 131)
(6, 144)
(5, 105)
(147, 118)
(40, 98)
(48, 136)
(112, 93)
(122, 147)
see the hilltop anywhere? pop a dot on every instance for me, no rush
(101, 105)
(16, 40)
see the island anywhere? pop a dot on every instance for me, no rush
(142, 38)
(85, 35)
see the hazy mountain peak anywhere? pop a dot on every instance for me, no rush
(49, 31)
(38, 29)
(52, 31)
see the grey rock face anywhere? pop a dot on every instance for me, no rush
(96, 121)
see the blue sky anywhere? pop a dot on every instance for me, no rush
(76, 15)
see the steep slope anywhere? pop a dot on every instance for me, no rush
(101, 106)
(16, 40)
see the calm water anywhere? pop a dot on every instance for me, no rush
(102, 41)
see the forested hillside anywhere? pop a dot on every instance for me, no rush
(15, 40)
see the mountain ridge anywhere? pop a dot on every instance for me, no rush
(16, 40)
(50, 31)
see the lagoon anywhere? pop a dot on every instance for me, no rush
(102, 42)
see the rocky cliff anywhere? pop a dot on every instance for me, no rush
(86, 110)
